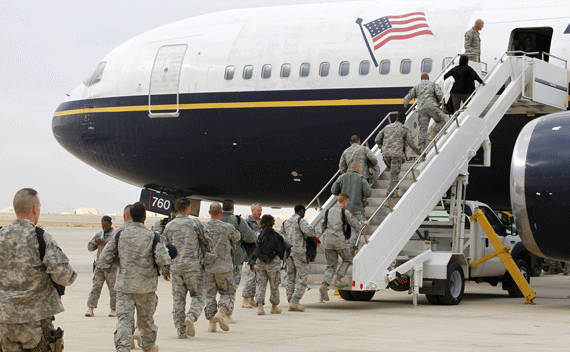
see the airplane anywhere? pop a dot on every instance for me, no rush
(258, 104)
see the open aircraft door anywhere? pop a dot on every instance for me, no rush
(163, 99)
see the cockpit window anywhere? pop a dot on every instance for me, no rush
(96, 75)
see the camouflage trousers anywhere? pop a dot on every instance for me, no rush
(332, 262)
(222, 283)
(395, 165)
(145, 304)
(191, 282)
(100, 276)
(354, 231)
(237, 280)
(248, 289)
(424, 115)
(268, 272)
(20, 337)
(297, 272)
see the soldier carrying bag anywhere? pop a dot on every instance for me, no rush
(311, 244)
(346, 230)
(40, 236)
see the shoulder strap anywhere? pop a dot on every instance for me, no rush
(41, 242)
(155, 241)
(238, 219)
(300, 229)
(326, 217)
(343, 217)
(117, 235)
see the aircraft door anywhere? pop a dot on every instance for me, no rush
(163, 99)
(533, 41)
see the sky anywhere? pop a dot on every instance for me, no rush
(47, 49)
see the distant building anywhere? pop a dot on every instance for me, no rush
(10, 209)
(86, 211)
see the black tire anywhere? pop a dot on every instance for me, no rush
(454, 285)
(362, 296)
(399, 288)
(515, 291)
(433, 299)
(346, 295)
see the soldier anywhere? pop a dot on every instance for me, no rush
(269, 253)
(464, 85)
(140, 253)
(392, 141)
(128, 220)
(31, 264)
(248, 291)
(220, 277)
(357, 152)
(295, 230)
(473, 41)
(101, 276)
(336, 244)
(429, 96)
(358, 189)
(192, 242)
(240, 254)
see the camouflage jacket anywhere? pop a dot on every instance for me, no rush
(295, 231)
(472, 42)
(92, 245)
(187, 234)
(429, 94)
(333, 228)
(356, 186)
(137, 268)
(224, 237)
(247, 235)
(27, 293)
(393, 138)
(360, 153)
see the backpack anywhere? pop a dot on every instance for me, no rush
(311, 244)
(40, 236)
(345, 227)
(267, 244)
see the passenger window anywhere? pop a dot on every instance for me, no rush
(285, 70)
(248, 72)
(324, 69)
(229, 75)
(305, 69)
(405, 66)
(446, 62)
(96, 75)
(426, 65)
(266, 71)
(385, 67)
(344, 68)
(364, 68)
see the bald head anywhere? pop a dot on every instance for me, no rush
(127, 213)
(425, 76)
(479, 24)
(215, 210)
(27, 204)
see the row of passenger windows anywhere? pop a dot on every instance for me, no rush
(325, 68)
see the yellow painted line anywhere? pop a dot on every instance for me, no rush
(259, 104)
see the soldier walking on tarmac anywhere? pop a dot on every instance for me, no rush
(248, 291)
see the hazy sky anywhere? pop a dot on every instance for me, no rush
(47, 49)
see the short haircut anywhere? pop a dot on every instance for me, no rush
(138, 212)
(266, 221)
(215, 209)
(355, 165)
(107, 218)
(479, 21)
(463, 60)
(127, 208)
(343, 196)
(354, 139)
(299, 208)
(24, 201)
(424, 75)
(401, 117)
(228, 205)
(181, 204)
(255, 205)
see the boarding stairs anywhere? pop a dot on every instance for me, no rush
(514, 82)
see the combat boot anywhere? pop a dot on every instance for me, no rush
(90, 312)
(324, 294)
(260, 310)
(423, 148)
(112, 313)
(295, 306)
(432, 135)
(252, 301)
(338, 283)
(190, 331)
(212, 325)
(275, 309)
(152, 349)
(137, 337)
(246, 303)
(220, 318)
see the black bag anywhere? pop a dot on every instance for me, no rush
(311, 244)
(40, 236)
(346, 229)
(266, 245)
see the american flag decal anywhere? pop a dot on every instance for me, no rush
(401, 27)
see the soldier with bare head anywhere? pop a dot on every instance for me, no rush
(248, 291)
(31, 263)
(361, 153)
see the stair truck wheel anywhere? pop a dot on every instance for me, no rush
(346, 295)
(362, 295)
(524, 268)
(433, 299)
(454, 285)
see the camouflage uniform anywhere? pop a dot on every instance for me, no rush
(136, 283)
(429, 96)
(220, 277)
(392, 141)
(27, 294)
(187, 274)
(472, 44)
(357, 152)
(249, 280)
(356, 187)
(335, 243)
(102, 276)
(240, 255)
(295, 230)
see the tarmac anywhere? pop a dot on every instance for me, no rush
(487, 319)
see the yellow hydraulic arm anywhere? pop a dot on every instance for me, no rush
(503, 253)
